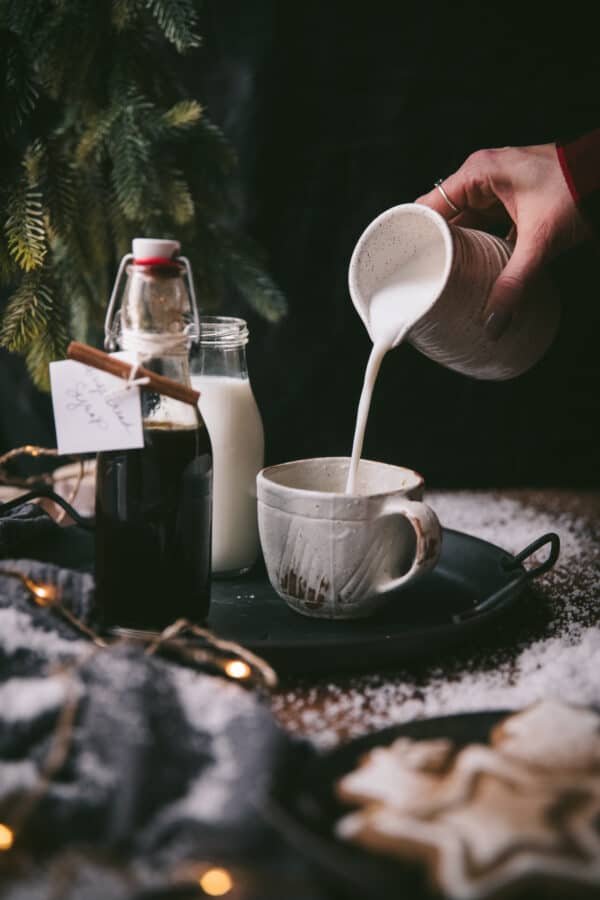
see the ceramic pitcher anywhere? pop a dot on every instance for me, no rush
(451, 329)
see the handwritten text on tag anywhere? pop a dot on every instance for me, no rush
(93, 410)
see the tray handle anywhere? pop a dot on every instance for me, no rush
(87, 522)
(500, 597)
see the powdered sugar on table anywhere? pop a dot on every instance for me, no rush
(553, 651)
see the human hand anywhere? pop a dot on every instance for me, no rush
(524, 186)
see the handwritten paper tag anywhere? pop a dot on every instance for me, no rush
(93, 410)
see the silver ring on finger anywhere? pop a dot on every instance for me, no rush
(440, 187)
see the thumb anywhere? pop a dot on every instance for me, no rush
(508, 290)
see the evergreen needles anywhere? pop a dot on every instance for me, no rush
(99, 143)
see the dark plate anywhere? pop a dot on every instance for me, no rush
(304, 809)
(415, 623)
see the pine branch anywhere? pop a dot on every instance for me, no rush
(217, 153)
(177, 200)
(7, 265)
(49, 345)
(256, 287)
(212, 170)
(124, 12)
(177, 20)
(24, 228)
(19, 15)
(130, 152)
(113, 148)
(85, 258)
(33, 162)
(69, 48)
(71, 268)
(60, 188)
(119, 227)
(182, 115)
(205, 253)
(93, 237)
(93, 138)
(27, 313)
(18, 90)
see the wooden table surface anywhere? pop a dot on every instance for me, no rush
(553, 648)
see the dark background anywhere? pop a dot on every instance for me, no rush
(338, 111)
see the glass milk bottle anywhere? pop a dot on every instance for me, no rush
(153, 504)
(220, 373)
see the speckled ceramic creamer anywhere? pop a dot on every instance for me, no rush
(338, 556)
(464, 265)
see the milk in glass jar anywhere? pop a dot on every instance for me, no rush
(219, 372)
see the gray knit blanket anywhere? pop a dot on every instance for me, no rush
(121, 773)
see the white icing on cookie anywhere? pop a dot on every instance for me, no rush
(552, 735)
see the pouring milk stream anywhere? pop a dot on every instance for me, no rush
(392, 311)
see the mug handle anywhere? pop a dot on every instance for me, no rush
(428, 532)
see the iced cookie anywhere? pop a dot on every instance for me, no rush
(407, 775)
(421, 777)
(551, 736)
(523, 811)
(502, 837)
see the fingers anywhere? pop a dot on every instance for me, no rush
(509, 288)
(436, 201)
(470, 187)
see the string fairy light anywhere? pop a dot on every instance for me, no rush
(7, 837)
(49, 596)
(237, 668)
(239, 662)
(27, 450)
(216, 882)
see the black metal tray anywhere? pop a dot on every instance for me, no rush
(473, 583)
(303, 808)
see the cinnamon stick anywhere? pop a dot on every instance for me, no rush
(90, 356)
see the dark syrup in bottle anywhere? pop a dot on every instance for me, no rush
(153, 521)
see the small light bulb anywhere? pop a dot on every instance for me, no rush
(45, 594)
(237, 668)
(7, 838)
(216, 882)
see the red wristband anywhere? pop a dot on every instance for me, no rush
(580, 162)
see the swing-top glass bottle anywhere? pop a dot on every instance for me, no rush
(154, 505)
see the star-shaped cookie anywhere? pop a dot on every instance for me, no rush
(523, 810)
(499, 836)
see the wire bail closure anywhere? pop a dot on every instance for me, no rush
(109, 333)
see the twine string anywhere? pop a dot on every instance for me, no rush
(145, 345)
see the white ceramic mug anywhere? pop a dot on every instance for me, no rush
(338, 556)
(464, 264)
